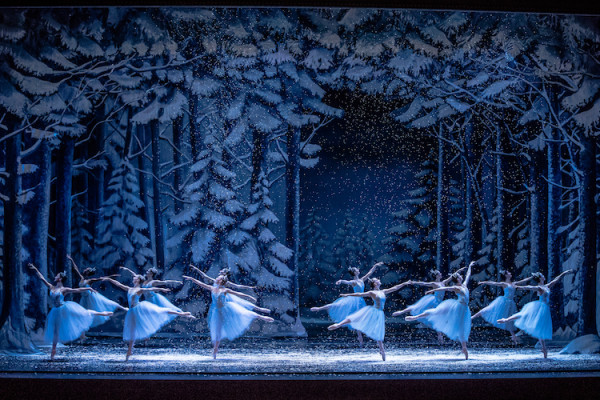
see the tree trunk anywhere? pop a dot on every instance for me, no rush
(553, 244)
(64, 173)
(538, 257)
(258, 152)
(292, 214)
(39, 232)
(14, 336)
(177, 160)
(195, 138)
(159, 245)
(443, 235)
(587, 215)
(472, 215)
(501, 233)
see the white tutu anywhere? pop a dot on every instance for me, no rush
(161, 301)
(501, 307)
(227, 319)
(451, 317)
(535, 320)
(144, 320)
(370, 321)
(69, 321)
(95, 301)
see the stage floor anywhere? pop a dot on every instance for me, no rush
(298, 358)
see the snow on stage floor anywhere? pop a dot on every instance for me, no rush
(298, 357)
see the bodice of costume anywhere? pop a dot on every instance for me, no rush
(218, 298)
(463, 295)
(133, 299)
(379, 300)
(359, 286)
(56, 298)
(439, 296)
(545, 296)
(149, 294)
(509, 292)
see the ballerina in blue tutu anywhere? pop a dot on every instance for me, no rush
(503, 306)
(429, 300)
(370, 320)
(451, 317)
(92, 300)
(225, 272)
(143, 319)
(67, 320)
(226, 319)
(154, 297)
(535, 318)
(344, 306)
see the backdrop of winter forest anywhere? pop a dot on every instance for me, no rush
(169, 136)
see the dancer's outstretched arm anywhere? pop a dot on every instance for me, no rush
(397, 287)
(67, 290)
(242, 295)
(128, 270)
(468, 275)
(343, 282)
(116, 283)
(197, 282)
(156, 282)
(523, 281)
(153, 289)
(39, 274)
(373, 268)
(426, 284)
(454, 289)
(93, 280)
(75, 267)
(448, 279)
(198, 270)
(527, 287)
(559, 277)
(365, 294)
(233, 285)
(492, 283)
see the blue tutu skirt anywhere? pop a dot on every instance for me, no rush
(535, 320)
(344, 306)
(161, 301)
(69, 321)
(425, 303)
(452, 318)
(239, 301)
(144, 320)
(97, 302)
(501, 307)
(370, 321)
(229, 321)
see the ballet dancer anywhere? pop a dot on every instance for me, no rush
(370, 320)
(152, 296)
(451, 317)
(503, 306)
(535, 318)
(344, 306)
(91, 299)
(66, 320)
(143, 319)
(226, 273)
(226, 319)
(430, 300)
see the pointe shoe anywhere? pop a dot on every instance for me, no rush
(501, 321)
(314, 309)
(332, 327)
(268, 319)
(410, 318)
(397, 313)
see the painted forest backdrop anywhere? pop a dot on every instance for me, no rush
(156, 137)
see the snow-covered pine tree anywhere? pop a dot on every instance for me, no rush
(121, 241)
(315, 263)
(264, 256)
